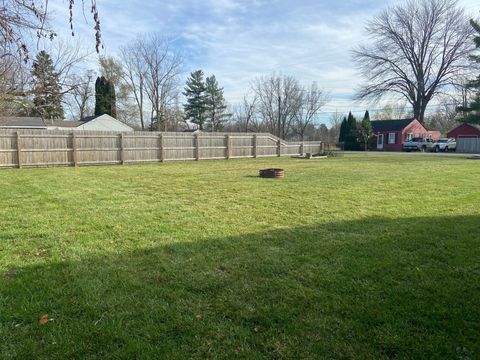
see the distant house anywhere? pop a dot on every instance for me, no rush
(99, 123)
(465, 131)
(14, 122)
(389, 134)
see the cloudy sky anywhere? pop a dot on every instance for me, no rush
(238, 40)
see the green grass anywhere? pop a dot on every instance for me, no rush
(362, 257)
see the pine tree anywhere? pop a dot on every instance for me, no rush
(351, 142)
(47, 90)
(215, 105)
(472, 111)
(196, 106)
(343, 130)
(112, 99)
(365, 131)
(105, 101)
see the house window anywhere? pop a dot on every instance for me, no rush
(409, 136)
(391, 138)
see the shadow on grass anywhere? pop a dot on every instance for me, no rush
(377, 288)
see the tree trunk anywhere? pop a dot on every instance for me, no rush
(141, 105)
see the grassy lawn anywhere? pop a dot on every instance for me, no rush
(362, 257)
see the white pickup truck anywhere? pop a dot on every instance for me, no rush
(419, 144)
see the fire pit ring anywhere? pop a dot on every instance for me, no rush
(272, 173)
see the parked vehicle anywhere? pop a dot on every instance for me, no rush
(419, 144)
(445, 144)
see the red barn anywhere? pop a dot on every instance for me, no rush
(465, 130)
(389, 134)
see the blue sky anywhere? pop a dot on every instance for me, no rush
(238, 40)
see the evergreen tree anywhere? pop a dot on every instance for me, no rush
(343, 130)
(105, 101)
(351, 142)
(215, 105)
(196, 106)
(112, 99)
(365, 131)
(472, 111)
(47, 90)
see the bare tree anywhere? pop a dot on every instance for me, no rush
(163, 66)
(334, 131)
(21, 18)
(82, 94)
(245, 113)
(14, 78)
(392, 111)
(114, 71)
(134, 74)
(419, 48)
(279, 101)
(446, 116)
(312, 100)
(67, 59)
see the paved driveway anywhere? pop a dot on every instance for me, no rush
(416, 153)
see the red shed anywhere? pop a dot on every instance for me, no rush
(389, 134)
(465, 130)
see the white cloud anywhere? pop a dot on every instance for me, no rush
(239, 40)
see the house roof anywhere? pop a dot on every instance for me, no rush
(71, 123)
(390, 125)
(476, 126)
(90, 118)
(23, 122)
(65, 123)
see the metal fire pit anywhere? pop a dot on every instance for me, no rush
(272, 173)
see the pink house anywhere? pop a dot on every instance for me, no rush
(390, 134)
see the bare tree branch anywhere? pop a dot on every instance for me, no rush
(418, 48)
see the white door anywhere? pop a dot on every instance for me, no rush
(380, 142)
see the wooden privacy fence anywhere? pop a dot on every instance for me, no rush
(27, 148)
(468, 145)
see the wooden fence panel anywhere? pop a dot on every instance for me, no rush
(67, 148)
(266, 146)
(8, 150)
(242, 146)
(141, 148)
(46, 149)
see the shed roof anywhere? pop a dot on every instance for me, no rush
(465, 126)
(476, 126)
(25, 122)
(390, 125)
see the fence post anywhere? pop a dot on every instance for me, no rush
(322, 147)
(74, 149)
(197, 147)
(122, 150)
(229, 147)
(302, 149)
(255, 140)
(279, 148)
(19, 150)
(161, 145)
